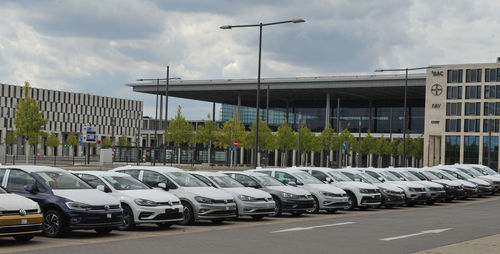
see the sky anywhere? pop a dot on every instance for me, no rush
(98, 46)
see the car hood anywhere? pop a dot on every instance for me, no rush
(150, 194)
(208, 192)
(465, 183)
(88, 196)
(447, 182)
(478, 181)
(289, 189)
(248, 192)
(356, 185)
(14, 202)
(429, 184)
(387, 186)
(322, 187)
(490, 178)
(408, 184)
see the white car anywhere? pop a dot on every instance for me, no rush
(249, 201)
(359, 194)
(435, 191)
(139, 202)
(484, 173)
(326, 197)
(392, 195)
(470, 189)
(414, 192)
(483, 187)
(453, 189)
(200, 201)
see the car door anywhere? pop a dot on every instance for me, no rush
(17, 179)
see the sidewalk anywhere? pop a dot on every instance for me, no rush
(489, 244)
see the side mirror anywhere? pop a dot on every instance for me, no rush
(252, 185)
(381, 179)
(329, 180)
(163, 186)
(101, 188)
(31, 189)
(291, 183)
(402, 179)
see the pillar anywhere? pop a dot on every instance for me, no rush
(276, 157)
(327, 110)
(293, 157)
(238, 109)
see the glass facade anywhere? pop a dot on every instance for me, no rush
(493, 163)
(471, 149)
(452, 150)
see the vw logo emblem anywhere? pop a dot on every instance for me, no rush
(436, 89)
(106, 207)
(22, 212)
(225, 201)
(170, 203)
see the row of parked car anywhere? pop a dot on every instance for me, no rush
(35, 199)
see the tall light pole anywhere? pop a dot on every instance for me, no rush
(260, 25)
(489, 139)
(405, 98)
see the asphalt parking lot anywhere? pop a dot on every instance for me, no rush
(398, 230)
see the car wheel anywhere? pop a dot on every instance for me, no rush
(315, 208)
(103, 231)
(23, 238)
(331, 210)
(410, 203)
(277, 207)
(297, 214)
(53, 223)
(188, 214)
(388, 206)
(164, 225)
(430, 202)
(351, 201)
(127, 219)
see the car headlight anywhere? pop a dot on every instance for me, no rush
(287, 195)
(145, 202)
(246, 198)
(78, 206)
(415, 189)
(366, 191)
(203, 200)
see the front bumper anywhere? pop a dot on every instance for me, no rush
(470, 192)
(485, 190)
(11, 225)
(256, 208)
(95, 219)
(393, 199)
(216, 211)
(370, 199)
(297, 205)
(437, 195)
(413, 197)
(333, 202)
(159, 214)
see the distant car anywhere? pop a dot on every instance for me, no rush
(20, 217)
(140, 203)
(67, 201)
(470, 189)
(483, 173)
(435, 191)
(326, 197)
(362, 195)
(453, 190)
(200, 201)
(392, 195)
(286, 198)
(483, 187)
(249, 201)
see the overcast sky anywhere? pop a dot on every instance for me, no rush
(98, 46)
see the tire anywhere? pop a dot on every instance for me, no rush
(277, 207)
(297, 214)
(332, 211)
(430, 202)
(164, 225)
(411, 203)
(188, 214)
(54, 224)
(128, 219)
(388, 206)
(23, 238)
(257, 217)
(103, 231)
(351, 201)
(315, 209)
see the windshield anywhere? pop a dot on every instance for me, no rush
(473, 171)
(184, 179)
(226, 182)
(125, 183)
(409, 176)
(418, 175)
(306, 178)
(369, 178)
(459, 174)
(62, 181)
(398, 175)
(448, 175)
(430, 175)
(486, 170)
(339, 177)
(267, 181)
(388, 176)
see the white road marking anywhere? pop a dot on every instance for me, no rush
(434, 231)
(313, 227)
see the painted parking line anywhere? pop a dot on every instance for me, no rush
(433, 231)
(313, 227)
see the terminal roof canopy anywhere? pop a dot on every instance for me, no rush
(299, 92)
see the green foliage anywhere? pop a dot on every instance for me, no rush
(179, 131)
(29, 120)
(267, 141)
(53, 140)
(72, 139)
(368, 145)
(329, 139)
(308, 142)
(123, 141)
(11, 138)
(393, 147)
(106, 142)
(352, 142)
(417, 148)
(237, 133)
(382, 146)
(206, 133)
(286, 139)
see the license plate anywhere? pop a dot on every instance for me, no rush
(109, 216)
(24, 221)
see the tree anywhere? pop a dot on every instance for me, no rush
(266, 137)
(238, 132)
(53, 141)
(72, 141)
(286, 140)
(179, 131)
(123, 141)
(206, 135)
(10, 140)
(307, 142)
(29, 120)
(106, 142)
(328, 139)
(393, 149)
(382, 147)
(351, 141)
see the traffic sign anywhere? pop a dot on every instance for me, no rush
(344, 145)
(235, 143)
(232, 148)
(90, 134)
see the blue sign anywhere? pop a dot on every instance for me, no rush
(344, 145)
(231, 148)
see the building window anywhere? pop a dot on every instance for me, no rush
(471, 149)
(472, 108)
(453, 125)
(493, 148)
(452, 150)
(492, 75)
(491, 108)
(492, 92)
(471, 125)
(454, 92)
(491, 123)
(455, 76)
(454, 109)
(473, 75)
(473, 92)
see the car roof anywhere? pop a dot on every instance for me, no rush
(323, 169)
(207, 173)
(100, 173)
(249, 173)
(33, 168)
(153, 168)
(291, 170)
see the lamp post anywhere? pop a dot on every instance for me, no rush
(405, 98)
(489, 139)
(260, 25)
(359, 143)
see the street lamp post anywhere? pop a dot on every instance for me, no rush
(489, 140)
(405, 98)
(359, 143)
(260, 25)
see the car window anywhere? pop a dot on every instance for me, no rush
(318, 174)
(2, 174)
(268, 181)
(18, 179)
(153, 178)
(418, 175)
(132, 172)
(373, 174)
(338, 176)
(62, 180)
(285, 177)
(226, 181)
(203, 179)
(185, 179)
(245, 180)
(93, 181)
(354, 177)
(125, 183)
(266, 172)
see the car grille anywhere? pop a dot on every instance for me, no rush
(435, 189)
(419, 189)
(264, 199)
(169, 215)
(169, 203)
(371, 191)
(17, 212)
(103, 208)
(225, 201)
